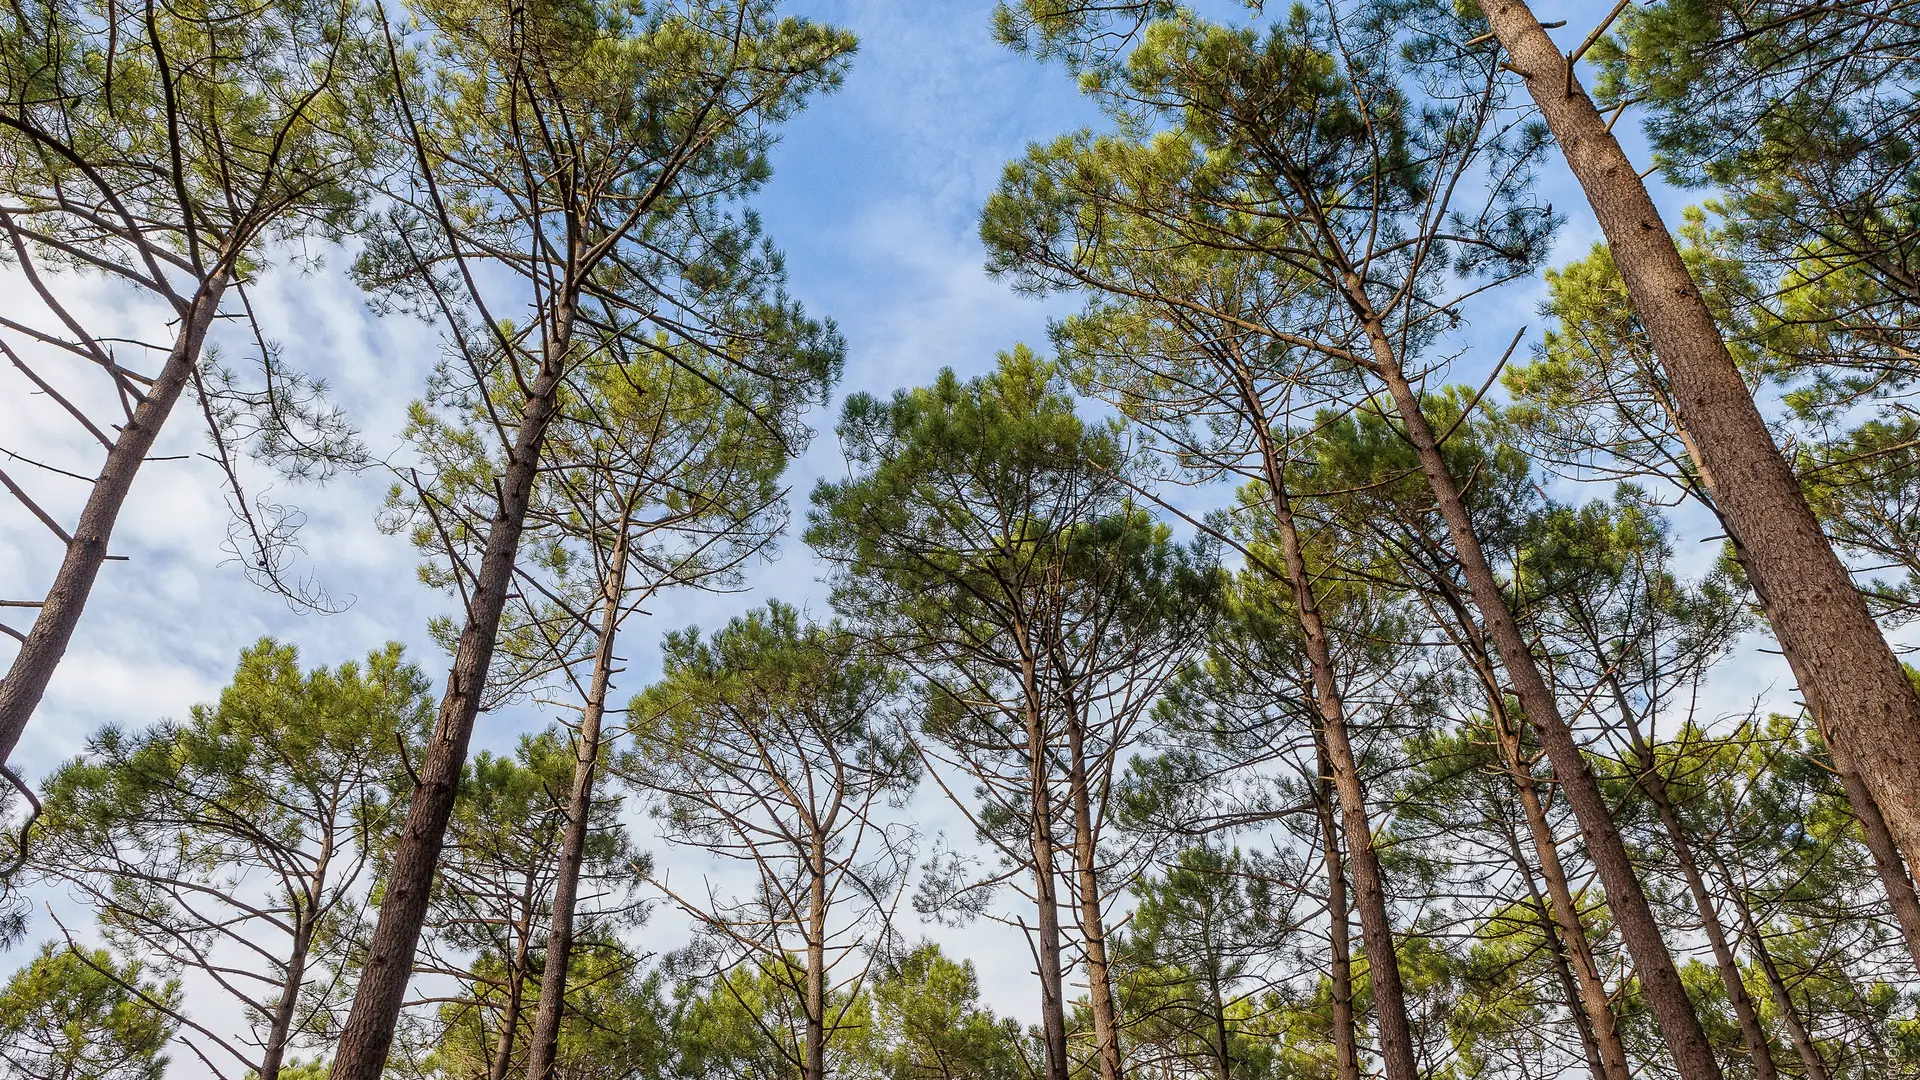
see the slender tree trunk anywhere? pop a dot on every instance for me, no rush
(1596, 1005)
(1053, 1015)
(1666, 994)
(1871, 710)
(1346, 1043)
(273, 1050)
(1802, 1039)
(1376, 930)
(516, 981)
(1752, 1035)
(1223, 1061)
(1106, 1027)
(1570, 985)
(545, 1042)
(46, 643)
(816, 1064)
(368, 1033)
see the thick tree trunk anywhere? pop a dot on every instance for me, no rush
(1346, 1042)
(1106, 1026)
(545, 1040)
(1887, 862)
(1803, 1045)
(46, 643)
(1666, 994)
(1376, 929)
(1872, 712)
(368, 1033)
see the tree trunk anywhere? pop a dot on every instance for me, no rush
(1887, 863)
(1106, 1027)
(545, 1041)
(1803, 1044)
(1752, 1035)
(273, 1050)
(1346, 1043)
(1376, 930)
(1666, 994)
(40, 653)
(1053, 1015)
(816, 1061)
(1872, 711)
(1570, 985)
(368, 1033)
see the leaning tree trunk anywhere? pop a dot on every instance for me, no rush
(545, 1040)
(1752, 1035)
(1376, 929)
(1880, 844)
(367, 1036)
(1346, 1043)
(816, 1004)
(46, 643)
(1872, 712)
(1570, 985)
(1595, 1005)
(1660, 978)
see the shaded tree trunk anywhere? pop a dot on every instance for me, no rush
(1376, 930)
(1870, 710)
(367, 1036)
(46, 643)
(1053, 1015)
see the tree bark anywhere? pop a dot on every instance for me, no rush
(46, 643)
(545, 1040)
(1752, 1035)
(1666, 994)
(1053, 1016)
(1595, 1005)
(1570, 985)
(1106, 1027)
(1872, 711)
(1887, 861)
(816, 1061)
(367, 1036)
(1346, 1044)
(1376, 930)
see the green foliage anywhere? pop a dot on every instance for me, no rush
(75, 1013)
(252, 824)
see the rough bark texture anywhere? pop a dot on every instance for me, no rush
(1666, 995)
(1872, 712)
(545, 1040)
(39, 655)
(367, 1035)
(1570, 986)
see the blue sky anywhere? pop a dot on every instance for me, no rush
(874, 199)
